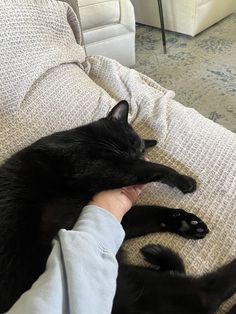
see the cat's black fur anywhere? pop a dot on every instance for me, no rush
(166, 289)
(44, 187)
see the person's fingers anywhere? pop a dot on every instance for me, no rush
(138, 189)
(132, 192)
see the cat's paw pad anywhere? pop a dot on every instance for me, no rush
(186, 184)
(189, 225)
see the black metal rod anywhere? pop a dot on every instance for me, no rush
(162, 25)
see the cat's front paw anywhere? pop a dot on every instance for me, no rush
(188, 225)
(186, 184)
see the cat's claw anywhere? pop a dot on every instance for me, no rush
(189, 225)
(186, 184)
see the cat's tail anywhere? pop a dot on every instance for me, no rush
(163, 258)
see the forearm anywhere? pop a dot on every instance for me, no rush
(104, 236)
(81, 271)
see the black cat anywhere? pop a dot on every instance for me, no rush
(44, 187)
(165, 289)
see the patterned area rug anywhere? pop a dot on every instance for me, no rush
(201, 70)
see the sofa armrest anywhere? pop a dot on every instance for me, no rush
(127, 16)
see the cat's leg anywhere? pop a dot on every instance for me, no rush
(142, 220)
(104, 175)
(218, 286)
(163, 258)
(151, 172)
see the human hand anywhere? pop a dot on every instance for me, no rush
(117, 201)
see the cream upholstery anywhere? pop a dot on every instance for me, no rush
(109, 28)
(184, 16)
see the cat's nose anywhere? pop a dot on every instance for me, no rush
(134, 155)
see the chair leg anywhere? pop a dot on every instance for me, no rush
(162, 25)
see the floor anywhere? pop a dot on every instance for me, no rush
(201, 70)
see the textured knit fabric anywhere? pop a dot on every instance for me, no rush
(35, 37)
(69, 95)
(80, 276)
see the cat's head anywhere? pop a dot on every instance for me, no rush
(115, 137)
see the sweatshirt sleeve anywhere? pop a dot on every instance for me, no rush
(81, 271)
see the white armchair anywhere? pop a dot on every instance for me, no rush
(108, 28)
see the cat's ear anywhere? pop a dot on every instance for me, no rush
(149, 143)
(119, 112)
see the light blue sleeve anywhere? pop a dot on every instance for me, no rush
(80, 277)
